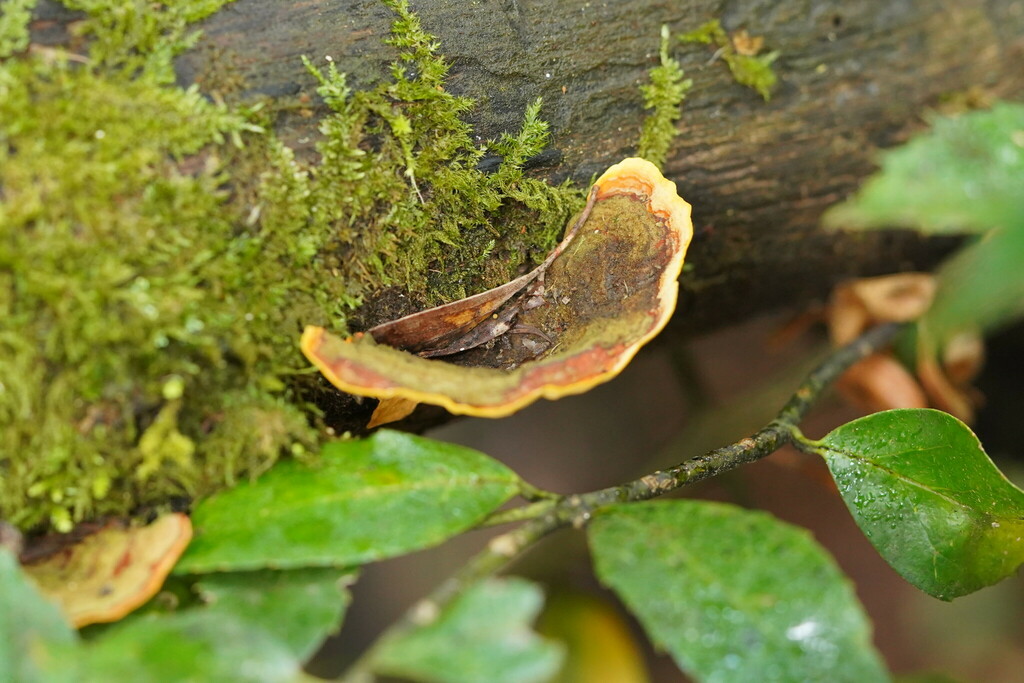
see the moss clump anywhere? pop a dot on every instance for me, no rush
(747, 67)
(399, 178)
(160, 252)
(14, 26)
(664, 94)
(140, 326)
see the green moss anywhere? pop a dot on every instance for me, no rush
(160, 250)
(140, 38)
(399, 178)
(664, 94)
(753, 71)
(149, 313)
(159, 253)
(134, 294)
(14, 16)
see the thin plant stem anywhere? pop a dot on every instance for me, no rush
(519, 514)
(576, 510)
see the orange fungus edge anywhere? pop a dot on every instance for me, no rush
(631, 177)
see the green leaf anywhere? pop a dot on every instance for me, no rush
(29, 625)
(298, 608)
(484, 635)
(193, 645)
(734, 595)
(964, 174)
(366, 500)
(929, 499)
(256, 626)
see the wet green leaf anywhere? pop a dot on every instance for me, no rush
(929, 499)
(29, 625)
(734, 595)
(484, 635)
(254, 626)
(298, 608)
(365, 500)
(964, 174)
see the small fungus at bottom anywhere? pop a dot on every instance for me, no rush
(574, 322)
(107, 574)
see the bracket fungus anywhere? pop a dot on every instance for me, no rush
(109, 573)
(573, 322)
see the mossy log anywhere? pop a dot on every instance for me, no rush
(853, 77)
(201, 383)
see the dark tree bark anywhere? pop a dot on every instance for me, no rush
(854, 76)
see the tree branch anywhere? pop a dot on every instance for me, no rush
(576, 510)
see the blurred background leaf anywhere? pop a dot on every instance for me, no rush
(599, 644)
(484, 635)
(192, 645)
(299, 608)
(964, 175)
(29, 625)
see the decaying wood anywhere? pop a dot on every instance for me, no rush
(854, 76)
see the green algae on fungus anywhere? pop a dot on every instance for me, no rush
(158, 252)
